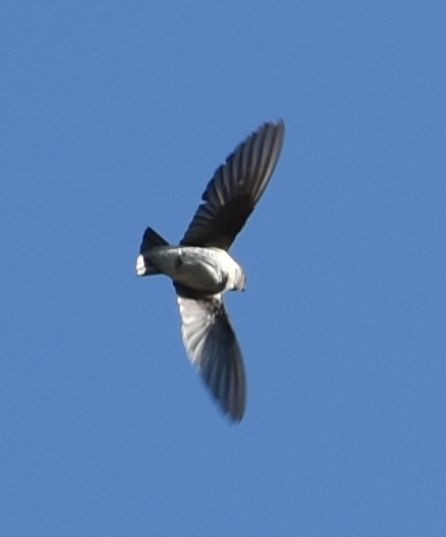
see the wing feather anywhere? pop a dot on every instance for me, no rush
(235, 189)
(213, 348)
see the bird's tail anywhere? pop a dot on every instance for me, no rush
(150, 240)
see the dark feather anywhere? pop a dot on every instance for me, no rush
(235, 189)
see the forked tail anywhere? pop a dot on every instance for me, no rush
(150, 240)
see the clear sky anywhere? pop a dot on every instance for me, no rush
(114, 115)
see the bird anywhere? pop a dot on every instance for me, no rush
(202, 270)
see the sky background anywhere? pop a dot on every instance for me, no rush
(114, 115)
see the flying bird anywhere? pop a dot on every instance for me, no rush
(202, 269)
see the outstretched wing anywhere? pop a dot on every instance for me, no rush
(236, 187)
(212, 346)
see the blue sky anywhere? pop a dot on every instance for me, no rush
(114, 117)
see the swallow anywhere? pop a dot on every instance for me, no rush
(202, 270)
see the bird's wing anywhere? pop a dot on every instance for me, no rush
(236, 187)
(212, 346)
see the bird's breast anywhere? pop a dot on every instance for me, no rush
(202, 269)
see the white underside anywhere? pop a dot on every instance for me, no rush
(206, 269)
(140, 266)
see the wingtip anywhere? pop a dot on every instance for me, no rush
(278, 124)
(277, 133)
(280, 127)
(234, 414)
(236, 417)
(232, 405)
